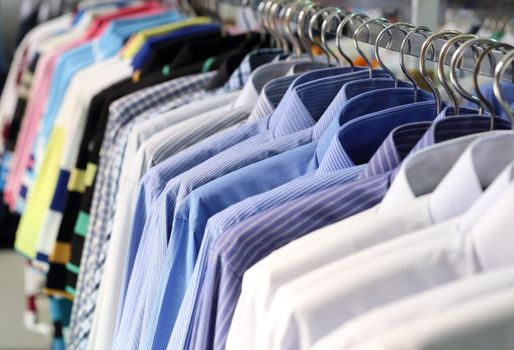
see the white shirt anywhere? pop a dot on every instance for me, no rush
(372, 325)
(486, 323)
(342, 239)
(315, 309)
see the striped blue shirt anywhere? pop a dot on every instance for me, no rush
(233, 252)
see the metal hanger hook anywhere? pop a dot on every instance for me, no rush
(423, 31)
(503, 47)
(364, 25)
(387, 30)
(429, 43)
(339, 34)
(313, 21)
(324, 29)
(441, 63)
(499, 71)
(456, 59)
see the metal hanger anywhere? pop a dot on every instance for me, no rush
(503, 47)
(276, 18)
(339, 34)
(290, 11)
(456, 59)
(429, 43)
(280, 41)
(324, 30)
(499, 71)
(387, 30)
(441, 62)
(364, 25)
(422, 30)
(313, 21)
(302, 16)
(263, 11)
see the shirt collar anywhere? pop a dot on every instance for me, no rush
(491, 195)
(259, 78)
(492, 239)
(466, 180)
(270, 97)
(308, 97)
(365, 105)
(241, 75)
(409, 183)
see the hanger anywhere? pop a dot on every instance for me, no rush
(429, 43)
(387, 30)
(422, 30)
(262, 11)
(379, 21)
(456, 59)
(290, 11)
(276, 16)
(499, 71)
(302, 18)
(313, 21)
(441, 62)
(339, 34)
(502, 47)
(324, 30)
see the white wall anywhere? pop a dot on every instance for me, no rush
(13, 335)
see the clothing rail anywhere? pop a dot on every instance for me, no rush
(391, 42)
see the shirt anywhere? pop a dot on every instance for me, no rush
(111, 279)
(382, 320)
(142, 131)
(139, 59)
(127, 326)
(420, 265)
(469, 330)
(344, 238)
(101, 104)
(44, 83)
(481, 324)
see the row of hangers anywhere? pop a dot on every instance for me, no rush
(296, 26)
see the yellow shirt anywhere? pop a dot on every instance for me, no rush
(137, 41)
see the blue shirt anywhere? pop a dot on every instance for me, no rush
(244, 244)
(142, 55)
